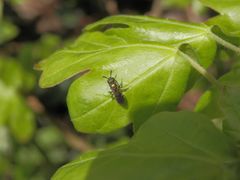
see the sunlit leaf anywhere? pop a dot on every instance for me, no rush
(229, 18)
(154, 75)
(165, 31)
(88, 98)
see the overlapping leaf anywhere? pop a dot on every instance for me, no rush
(229, 20)
(163, 148)
(224, 104)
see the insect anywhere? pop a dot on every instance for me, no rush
(116, 88)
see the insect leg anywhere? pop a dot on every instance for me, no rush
(124, 89)
(112, 95)
(121, 86)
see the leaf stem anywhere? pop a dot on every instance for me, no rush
(201, 70)
(225, 43)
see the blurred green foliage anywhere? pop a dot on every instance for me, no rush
(8, 31)
(33, 142)
(15, 112)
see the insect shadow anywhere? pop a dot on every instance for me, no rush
(116, 90)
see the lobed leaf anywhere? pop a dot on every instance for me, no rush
(229, 18)
(155, 84)
(155, 75)
(180, 145)
(165, 31)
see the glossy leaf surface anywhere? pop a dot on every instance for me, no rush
(165, 31)
(180, 145)
(150, 71)
(154, 75)
(229, 20)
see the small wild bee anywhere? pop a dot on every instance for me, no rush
(116, 88)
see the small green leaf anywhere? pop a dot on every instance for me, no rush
(14, 76)
(229, 20)
(21, 120)
(182, 145)
(7, 31)
(5, 94)
(16, 114)
(209, 104)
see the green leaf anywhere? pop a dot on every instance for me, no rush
(16, 114)
(165, 31)
(230, 104)
(135, 29)
(182, 145)
(13, 75)
(6, 144)
(224, 104)
(155, 75)
(7, 31)
(5, 95)
(51, 139)
(21, 120)
(229, 20)
(209, 104)
(161, 81)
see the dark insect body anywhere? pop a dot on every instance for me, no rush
(116, 88)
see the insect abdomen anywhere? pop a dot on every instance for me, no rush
(120, 98)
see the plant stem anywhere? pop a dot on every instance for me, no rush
(225, 43)
(201, 70)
